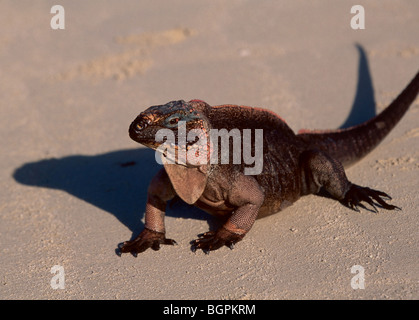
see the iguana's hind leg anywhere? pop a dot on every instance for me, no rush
(319, 170)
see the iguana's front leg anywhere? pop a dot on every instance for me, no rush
(247, 196)
(160, 192)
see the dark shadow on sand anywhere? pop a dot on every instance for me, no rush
(363, 107)
(116, 182)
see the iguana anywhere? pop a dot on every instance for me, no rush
(294, 165)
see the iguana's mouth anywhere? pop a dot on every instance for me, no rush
(177, 149)
(185, 147)
(182, 153)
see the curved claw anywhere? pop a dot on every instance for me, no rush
(356, 194)
(146, 239)
(211, 240)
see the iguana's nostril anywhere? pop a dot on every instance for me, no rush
(139, 125)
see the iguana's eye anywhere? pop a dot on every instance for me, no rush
(174, 121)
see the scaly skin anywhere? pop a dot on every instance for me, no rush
(293, 166)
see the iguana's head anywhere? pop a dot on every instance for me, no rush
(175, 116)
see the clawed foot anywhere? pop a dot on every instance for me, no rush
(213, 240)
(146, 239)
(356, 194)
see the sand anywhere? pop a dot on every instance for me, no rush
(73, 184)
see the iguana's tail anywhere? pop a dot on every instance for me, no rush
(351, 144)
